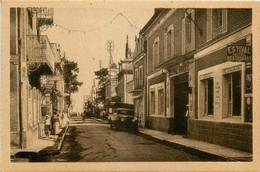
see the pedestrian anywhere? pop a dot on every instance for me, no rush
(56, 123)
(66, 120)
(47, 126)
(42, 129)
(185, 123)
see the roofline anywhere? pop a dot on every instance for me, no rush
(153, 19)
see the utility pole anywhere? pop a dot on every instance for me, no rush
(110, 49)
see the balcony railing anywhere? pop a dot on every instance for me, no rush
(188, 48)
(217, 32)
(39, 50)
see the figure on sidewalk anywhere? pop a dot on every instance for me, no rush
(42, 129)
(47, 125)
(185, 123)
(56, 124)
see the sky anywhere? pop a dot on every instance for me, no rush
(89, 47)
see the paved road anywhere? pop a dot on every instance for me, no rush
(94, 141)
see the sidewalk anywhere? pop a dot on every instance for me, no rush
(195, 146)
(41, 145)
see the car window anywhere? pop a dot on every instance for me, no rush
(126, 112)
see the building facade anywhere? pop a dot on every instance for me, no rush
(34, 63)
(125, 76)
(223, 78)
(169, 57)
(199, 66)
(139, 70)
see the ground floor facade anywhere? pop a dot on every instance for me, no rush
(168, 99)
(223, 113)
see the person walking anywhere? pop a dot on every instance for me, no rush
(42, 129)
(56, 125)
(47, 126)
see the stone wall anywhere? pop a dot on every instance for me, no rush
(232, 135)
(159, 123)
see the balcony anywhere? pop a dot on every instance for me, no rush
(216, 32)
(44, 16)
(40, 52)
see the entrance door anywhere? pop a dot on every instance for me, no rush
(180, 102)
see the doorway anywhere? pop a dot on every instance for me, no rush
(181, 98)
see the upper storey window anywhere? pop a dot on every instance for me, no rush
(216, 23)
(188, 31)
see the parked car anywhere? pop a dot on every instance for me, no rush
(122, 116)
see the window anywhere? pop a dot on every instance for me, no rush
(160, 102)
(188, 31)
(136, 78)
(141, 76)
(152, 102)
(30, 18)
(156, 51)
(216, 22)
(234, 94)
(208, 96)
(169, 42)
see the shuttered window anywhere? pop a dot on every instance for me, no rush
(209, 24)
(156, 52)
(183, 36)
(152, 108)
(169, 42)
(160, 101)
(216, 23)
(188, 32)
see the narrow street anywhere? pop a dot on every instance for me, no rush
(94, 141)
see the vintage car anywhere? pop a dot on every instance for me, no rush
(122, 117)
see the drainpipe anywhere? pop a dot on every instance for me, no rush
(19, 82)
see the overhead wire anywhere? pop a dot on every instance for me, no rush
(98, 28)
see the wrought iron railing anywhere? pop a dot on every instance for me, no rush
(39, 50)
(217, 32)
(188, 48)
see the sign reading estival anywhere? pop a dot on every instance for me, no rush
(239, 53)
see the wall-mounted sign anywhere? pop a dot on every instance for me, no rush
(206, 76)
(48, 81)
(232, 69)
(239, 53)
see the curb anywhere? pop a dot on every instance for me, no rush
(62, 139)
(191, 150)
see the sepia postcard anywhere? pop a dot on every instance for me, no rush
(130, 85)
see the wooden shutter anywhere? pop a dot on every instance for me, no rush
(153, 54)
(183, 36)
(165, 45)
(209, 24)
(224, 21)
(192, 30)
(173, 41)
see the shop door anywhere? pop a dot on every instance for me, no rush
(180, 102)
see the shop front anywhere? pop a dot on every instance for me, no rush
(224, 97)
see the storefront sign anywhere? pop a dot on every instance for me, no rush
(239, 53)
(206, 76)
(47, 81)
(232, 69)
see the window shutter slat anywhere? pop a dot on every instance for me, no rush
(192, 30)
(183, 36)
(224, 20)
(209, 24)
